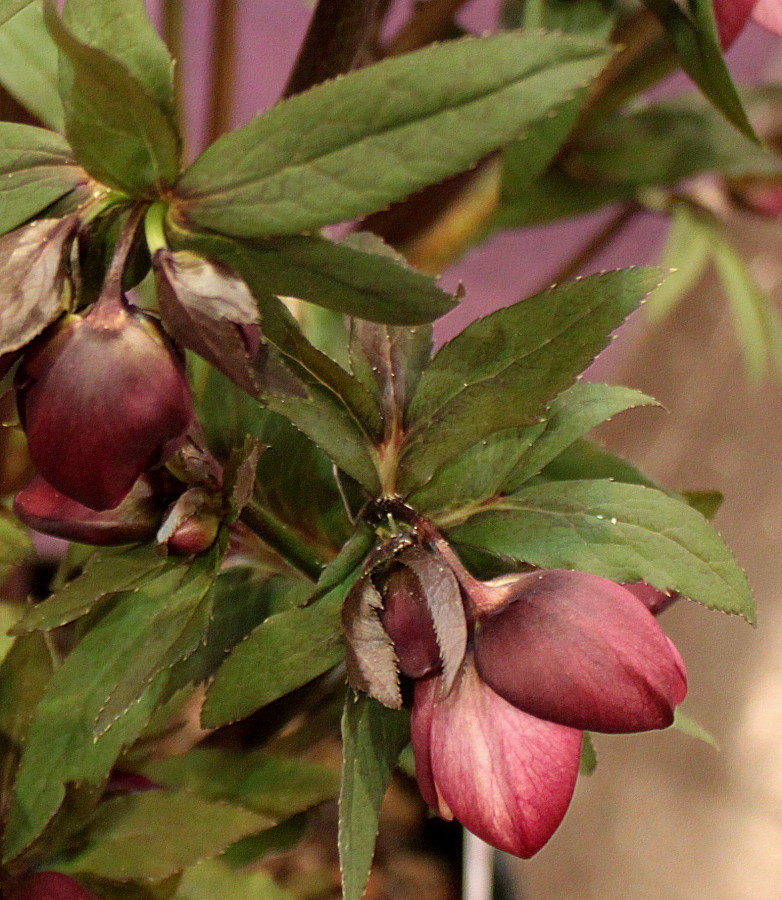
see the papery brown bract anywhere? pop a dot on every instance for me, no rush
(505, 775)
(43, 508)
(581, 651)
(102, 398)
(50, 886)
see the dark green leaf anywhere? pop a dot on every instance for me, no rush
(697, 45)
(280, 655)
(619, 531)
(343, 277)
(706, 502)
(591, 18)
(15, 544)
(373, 737)
(36, 168)
(132, 837)
(538, 347)
(28, 65)
(351, 146)
(586, 460)
(24, 675)
(118, 130)
(105, 573)
(274, 786)
(33, 279)
(214, 879)
(505, 460)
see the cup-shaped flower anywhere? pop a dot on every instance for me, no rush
(137, 517)
(580, 651)
(50, 886)
(505, 775)
(102, 398)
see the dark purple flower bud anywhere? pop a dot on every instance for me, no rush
(582, 651)
(50, 886)
(505, 775)
(655, 601)
(102, 398)
(407, 621)
(122, 781)
(45, 509)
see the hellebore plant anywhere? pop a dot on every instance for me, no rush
(271, 479)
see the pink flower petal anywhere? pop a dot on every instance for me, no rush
(768, 13)
(582, 651)
(505, 775)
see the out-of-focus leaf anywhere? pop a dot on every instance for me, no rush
(539, 345)
(15, 544)
(9, 8)
(105, 573)
(283, 653)
(619, 531)
(590, 18)
(9, 615)
(505, 460)
(273, 786)
(118, 130)
(391, 129)
(664, 142)
(24, 674)
(28, 64)
(36, 168)
(373, 737)
(694, 34)
(686, 254)
(706, 502)
(33, 279)
(347, 278)
(131, 837)
(214, 878)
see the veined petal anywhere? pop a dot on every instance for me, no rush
(582, 651)
(505, 775)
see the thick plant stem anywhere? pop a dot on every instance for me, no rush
(335, 43)
(282, 539)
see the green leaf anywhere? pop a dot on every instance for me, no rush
(132, 837)
(664, 142)
(373, 737)
(695, 37)
(351, 146)
(588, 762)
(28, 65)
(283, 653)
(213, 879)
(15, 544)
(623, 532)
(105, 573)
(505, 460)
(118, 130)
(346, 277)
(36, 168)
(706, 502)
(686, 253)
(584, 459)
(591, 18)
(687, 725)
(24, 675)
(122, 29)
(9, 8)
(539, 346)
(274, 786)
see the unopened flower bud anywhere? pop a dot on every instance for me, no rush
(137, 517)
(408, 623)
(102, 398)
(50, 886)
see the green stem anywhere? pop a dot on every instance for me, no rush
(282, 539)
(155, 229)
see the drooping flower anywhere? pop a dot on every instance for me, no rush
(553, 653)
(732, 16)
(102, 398)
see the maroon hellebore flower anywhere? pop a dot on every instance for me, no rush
(732, 16)
(50, 886)
(102, 398)
(553, 653)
